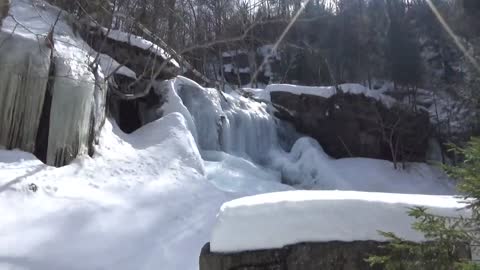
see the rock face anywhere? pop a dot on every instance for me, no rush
(350, 125)
(308, 256)
(143, 61)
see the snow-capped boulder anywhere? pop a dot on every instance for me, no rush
(315, 229)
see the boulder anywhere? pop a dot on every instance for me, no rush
(353, 125)
(305, 256)
(333, 255)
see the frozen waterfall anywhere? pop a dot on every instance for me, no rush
(52, 103)
(24, 72)
(229, 123)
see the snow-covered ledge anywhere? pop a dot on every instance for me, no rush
(279, 219)
(326, 230)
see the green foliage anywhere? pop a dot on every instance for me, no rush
(446, 237)
(468, 172)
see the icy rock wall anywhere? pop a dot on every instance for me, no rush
(24, 73)
(52, 103)
(229, 123)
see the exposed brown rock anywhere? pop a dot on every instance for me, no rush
(350, 125)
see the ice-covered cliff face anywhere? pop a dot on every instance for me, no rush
(52, 103)
(24, 71)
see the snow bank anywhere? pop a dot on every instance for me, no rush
(307, 166)
(328, 91)
(141, 203)
(322, 91)
(240, 176)
(279, 219)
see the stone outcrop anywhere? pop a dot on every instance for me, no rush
(306, 256)
(351, 125)
(144, 62)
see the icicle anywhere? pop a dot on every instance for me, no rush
(24, 67)
(72, 105)
(240, 126)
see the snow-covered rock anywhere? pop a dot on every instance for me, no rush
(279, 219)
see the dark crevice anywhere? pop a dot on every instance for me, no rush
(129, 119)
(41, 142)
(91, 134)
(132, 114)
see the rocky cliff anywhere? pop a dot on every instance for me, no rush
(351, 125)
(306, 256)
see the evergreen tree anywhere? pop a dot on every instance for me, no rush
(446, 236)
(403, 51)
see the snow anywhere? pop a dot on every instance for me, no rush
(234, 53)
(268, 52)
(139, 42)
(232, 68)
(328, 91)
(110, 65)
(279, 219)
(237, 175)
(322, 91)
(307, 166)
(141, 203)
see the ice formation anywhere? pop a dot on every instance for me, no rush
(75, 92)
(228, 122)
(71, 114)
(24, 72)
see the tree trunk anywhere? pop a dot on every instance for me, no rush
(171, 22)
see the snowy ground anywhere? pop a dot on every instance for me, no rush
(140, 204)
